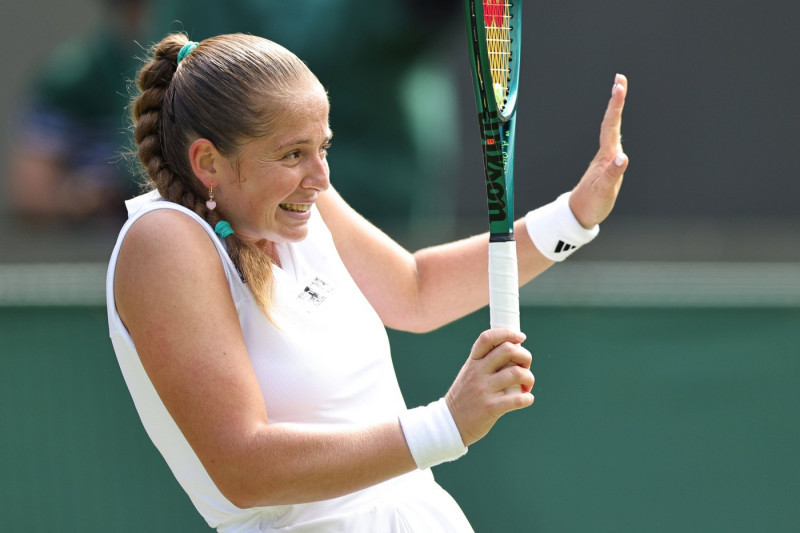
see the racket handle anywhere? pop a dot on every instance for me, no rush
(503, 285)
(504, 290)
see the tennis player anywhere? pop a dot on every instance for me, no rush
(247, 304)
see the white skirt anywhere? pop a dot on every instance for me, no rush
(413, 503)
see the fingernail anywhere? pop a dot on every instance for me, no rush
(521, 335)
(619, 160)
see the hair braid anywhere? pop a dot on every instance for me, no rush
(149, 114)
(154, 81)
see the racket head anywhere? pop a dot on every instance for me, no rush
(493, 28)
(495, 45)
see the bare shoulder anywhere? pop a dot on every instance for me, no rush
(164, 257)
(335, 211)
(162, 230)
(349, 228)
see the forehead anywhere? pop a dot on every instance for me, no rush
(306, 111)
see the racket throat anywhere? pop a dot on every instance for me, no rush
(501, 237)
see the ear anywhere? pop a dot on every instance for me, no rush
(206, 162)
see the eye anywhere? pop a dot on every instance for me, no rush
(324, 149)
(292, 155)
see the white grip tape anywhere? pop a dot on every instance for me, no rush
(431, 434)
(503, 285)
(504, 290)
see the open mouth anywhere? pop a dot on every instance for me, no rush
(297, 208)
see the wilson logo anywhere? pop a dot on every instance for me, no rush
(495, 167)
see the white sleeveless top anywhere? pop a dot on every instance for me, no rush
(327, 362)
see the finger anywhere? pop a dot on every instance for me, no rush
(611, 127)
(613, 173)
(508, 354)
(513, 376)
(512, 357)
(621, 79)
(492, 338)
(514, 401)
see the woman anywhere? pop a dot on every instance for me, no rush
(247, 303)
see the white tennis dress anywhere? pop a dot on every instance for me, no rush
(327, 362)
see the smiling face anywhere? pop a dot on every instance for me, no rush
(267, 189)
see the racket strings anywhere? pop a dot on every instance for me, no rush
(497, 20)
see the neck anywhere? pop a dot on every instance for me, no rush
(268, 247)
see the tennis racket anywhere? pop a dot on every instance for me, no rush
(493, 28)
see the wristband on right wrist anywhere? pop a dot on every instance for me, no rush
(555, 231)
(432, 434)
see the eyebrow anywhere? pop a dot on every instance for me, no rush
(301, 141)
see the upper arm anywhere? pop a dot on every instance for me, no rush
(172, 295)
(384, 271)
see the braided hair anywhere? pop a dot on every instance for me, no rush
(229, 89)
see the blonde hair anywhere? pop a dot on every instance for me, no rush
(230, 89)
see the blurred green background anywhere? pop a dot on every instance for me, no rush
(646, 419)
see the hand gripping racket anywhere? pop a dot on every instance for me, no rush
(494, 43)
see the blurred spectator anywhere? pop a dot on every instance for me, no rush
(392, 98)
(73, 125)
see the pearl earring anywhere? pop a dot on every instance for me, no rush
(211, 204)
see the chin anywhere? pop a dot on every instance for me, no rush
(293, 236)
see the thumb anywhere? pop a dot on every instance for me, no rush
(615, 170)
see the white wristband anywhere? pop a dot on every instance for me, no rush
(556, 232)
(432, 434)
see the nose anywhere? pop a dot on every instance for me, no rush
(318, 174)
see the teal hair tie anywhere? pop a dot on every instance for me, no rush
(223, 229)
(188, 47)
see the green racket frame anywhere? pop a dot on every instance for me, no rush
(497, 124)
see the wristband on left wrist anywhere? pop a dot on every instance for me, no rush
(555, 231)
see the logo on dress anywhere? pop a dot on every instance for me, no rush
(316, 292)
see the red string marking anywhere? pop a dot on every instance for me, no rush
(493, 13)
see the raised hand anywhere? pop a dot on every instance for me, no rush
(593, 198)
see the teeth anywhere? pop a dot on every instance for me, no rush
(298, 208)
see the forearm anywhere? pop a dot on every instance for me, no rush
(292, 463)
(453, 280)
